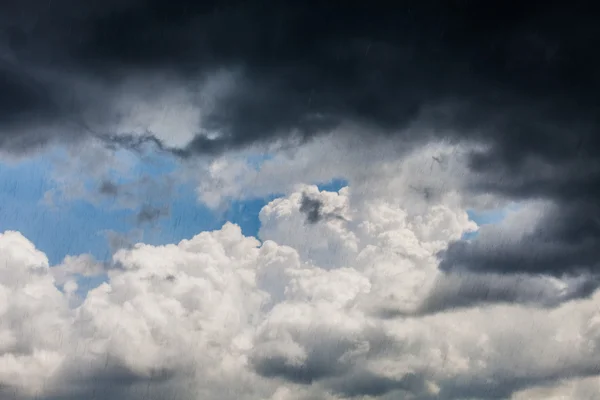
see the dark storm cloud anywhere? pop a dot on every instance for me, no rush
(467, 290)
(456, 290)
(523, 69)
(565, 240)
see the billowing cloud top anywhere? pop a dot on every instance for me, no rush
(224, 316)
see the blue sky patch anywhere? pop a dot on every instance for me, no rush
(78, 226)
(485, 218)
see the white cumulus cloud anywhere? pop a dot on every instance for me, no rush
(352, 306)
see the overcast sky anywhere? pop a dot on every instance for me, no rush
(299, 200)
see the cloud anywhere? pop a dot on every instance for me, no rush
(117, 240)
(515, 83)
(82, 265)
(222, 315)
(399, 167)
(313, 210)
(537, 238)
(551, 234)
(460, 290)
(150, 214)
(426, 110)
(502, 71)
(108, 188)
(34, 316)
(143, 182)
(578, 388)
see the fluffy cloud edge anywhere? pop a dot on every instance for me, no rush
(333, 308)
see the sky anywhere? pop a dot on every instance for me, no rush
(76, 226)
(299, 200)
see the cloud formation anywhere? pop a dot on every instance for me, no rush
(427, 108)
(509, 70)
(226, 316)
(517, 82)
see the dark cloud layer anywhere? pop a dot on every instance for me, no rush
(564, 240)
(504, 68)
(454, 291)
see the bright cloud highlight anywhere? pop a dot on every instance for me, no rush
(352, 306)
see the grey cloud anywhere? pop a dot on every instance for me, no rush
(519, 78)
(149, 214)
(500, 67)
(108, 188)
(327, 364)
(117, 240)
(368, 384)
(313, 208)
(504, 387)
(564, 240)
(459, 290)
(323, 360)
(160, 190)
